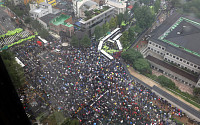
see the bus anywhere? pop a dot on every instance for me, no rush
(117, 37)
(19, 62)
(106, 54)
(119, 44)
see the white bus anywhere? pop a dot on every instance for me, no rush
(106, 54)
(43, 40)
(19, 62)
(117, 37)
(119, 44)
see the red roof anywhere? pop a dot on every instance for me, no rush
(130, 7)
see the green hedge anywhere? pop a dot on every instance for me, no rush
(12, 32)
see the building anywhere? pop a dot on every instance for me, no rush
(120, 6)
(78, 3)
(52, 2)
(97, 17)
(42, 9)
(62, 23)
(87, 6)
(44, 21)
(173, 49)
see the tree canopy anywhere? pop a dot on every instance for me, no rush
(15, 71)
(164, 81)
(85, 42)
(98, 32)
(144, 17)
(75, 41)
(142, 65)
(131, 55)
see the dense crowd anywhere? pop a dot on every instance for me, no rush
(84, 84)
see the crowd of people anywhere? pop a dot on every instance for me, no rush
(83, 84)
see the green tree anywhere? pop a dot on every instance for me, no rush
(146, 2)
(157, 6)
(124, 39)
(126, 16)
(112, 23)
(176, 3)
(196, 92)
(43, 33)
(105, 28)
(86, 42)
(15, 70)
(75, 41)
(87, 13)
(131, 34)
(98, 32)
(143, 66)
(119, 19)
(144, 17)
(164, 81)
(137, 29)
(131, 55)
(136, 6)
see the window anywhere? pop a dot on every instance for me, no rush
(159, 47)
(156, 45)
(187, 62)
(191, 64)
(149, 42)
(198, 67)
(184, 61)
(167, 53)
(161, 53)
(170, 54)
(173, 56)
(162, 48)
(195, 66)
(148, 47)
(180, 59)
(177, 58)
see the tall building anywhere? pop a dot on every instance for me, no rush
(173, 49)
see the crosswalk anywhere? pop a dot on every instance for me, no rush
(11, 39)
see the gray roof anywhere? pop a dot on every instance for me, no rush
(90, 3)
(47, 18)
(44, 4)
(189, 37)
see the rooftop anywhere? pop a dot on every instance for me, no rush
(47, 18)
(180, 35)
(96, 12)
(61, 20)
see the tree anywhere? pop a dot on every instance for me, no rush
(15, 70)
(131, 34)
(75, 41)
(144, 17)
(87, 13)
(98, 32)
(112, 23)
(157, 6)
(119, 19)
(131, 55)
(196, 92)
(175, 3)
(43, 33)
(126, 16)
(137, 29)
(124, 39)
(105, 28)
(136, 6)
(142, 65)
(86, 42)
(164, 81)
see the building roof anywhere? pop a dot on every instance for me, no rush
(45, 4)
(61, 20)
(47, 18)
(117, 4)
(173, 68)
(90, 3)
(180, 35)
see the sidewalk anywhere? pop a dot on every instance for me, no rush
(152, 83)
